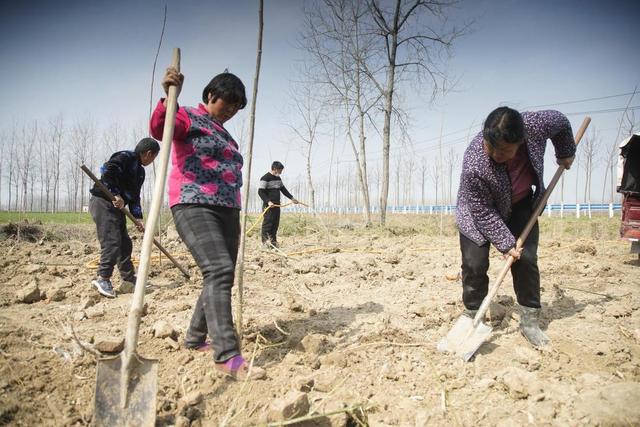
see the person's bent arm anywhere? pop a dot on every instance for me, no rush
(486, 217)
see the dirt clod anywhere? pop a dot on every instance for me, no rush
(162, 329)
(293, 404)
(109, 345)
(30, 293)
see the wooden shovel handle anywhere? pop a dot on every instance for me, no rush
(137, 302)
(552, 184)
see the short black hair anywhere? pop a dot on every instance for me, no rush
(147, 144)
(504, 124)
(277, 166)
(228, 87)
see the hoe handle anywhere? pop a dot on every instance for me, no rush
(135, 220)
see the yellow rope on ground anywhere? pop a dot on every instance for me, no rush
(154, 259)
(335, 250)
(309, 251)
(265, 211)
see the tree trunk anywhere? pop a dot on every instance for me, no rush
(388, 110)
(312, 192)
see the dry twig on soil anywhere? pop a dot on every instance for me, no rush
(82, 346)
(311, 417)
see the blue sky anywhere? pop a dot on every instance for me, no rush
(93, 60)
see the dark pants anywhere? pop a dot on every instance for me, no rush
(270, 224)
(212, 234)
(115, 243)
(526, 277)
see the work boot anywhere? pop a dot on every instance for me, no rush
(470, 313)
(530, 328)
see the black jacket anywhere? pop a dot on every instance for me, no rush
(123, 175)
(270, 188)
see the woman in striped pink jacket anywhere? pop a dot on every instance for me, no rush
(204, 196)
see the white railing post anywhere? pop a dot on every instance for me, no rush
(577, 210)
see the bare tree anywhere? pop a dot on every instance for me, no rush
(589, 147)
(25, 161)
(308, 110)
(627, 121)
(3, 143)
(610, 158)
(82, 142)
(333, 144)
(409, 168)
(436, 177)
(452, 162)
(410, 44)
(397, 175)
(112, 138)
(56, 133)
(12, 166)
(423, 172)
(338, 47)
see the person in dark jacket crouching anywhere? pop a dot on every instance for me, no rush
(123, 174)
(496, 199)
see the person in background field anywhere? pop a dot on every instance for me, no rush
(495, 201)
(123, 174)
(269, 191)
(204, 196)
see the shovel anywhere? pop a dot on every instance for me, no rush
(126, 384)
(467, 334)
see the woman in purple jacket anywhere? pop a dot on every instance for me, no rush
(496, 199)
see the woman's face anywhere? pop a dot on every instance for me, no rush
(221, 110)
(502, 151)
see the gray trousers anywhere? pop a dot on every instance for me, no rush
(212, 234)
(115, 243)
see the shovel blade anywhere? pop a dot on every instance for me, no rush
(142, 387)
(464, 339)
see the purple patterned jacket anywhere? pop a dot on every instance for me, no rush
(484, 196)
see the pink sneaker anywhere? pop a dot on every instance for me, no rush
(238, 369)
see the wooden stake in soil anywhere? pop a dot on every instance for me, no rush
(252, 122)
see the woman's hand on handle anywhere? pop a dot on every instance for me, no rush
(566, 162)
(172, 78)
(514, 253)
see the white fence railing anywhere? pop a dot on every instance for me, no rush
(577, 210)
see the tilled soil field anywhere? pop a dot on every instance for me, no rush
(344, 320)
